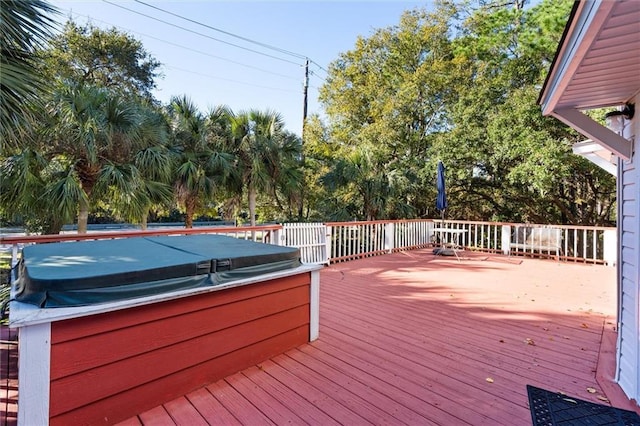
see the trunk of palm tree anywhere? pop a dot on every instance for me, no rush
(253, 195)
(190, 209)
(143, 222)
(83, 217)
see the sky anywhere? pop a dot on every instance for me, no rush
(208, 57)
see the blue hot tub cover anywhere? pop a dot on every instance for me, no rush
(89, 272)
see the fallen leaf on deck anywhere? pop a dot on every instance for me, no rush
(591, 390)
(583, 325)
(489, 380)
(603, 398)
(529, 341)
(545, 328)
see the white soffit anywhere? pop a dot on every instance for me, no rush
(597, 65)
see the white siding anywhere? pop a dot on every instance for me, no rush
(629, 223)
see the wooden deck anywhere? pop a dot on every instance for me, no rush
(410, 338)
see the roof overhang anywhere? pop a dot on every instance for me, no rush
(598, 155)
(597, 65)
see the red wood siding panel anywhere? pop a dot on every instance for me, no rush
(142, 357)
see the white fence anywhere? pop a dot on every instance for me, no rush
(344, 241)
(310, 238)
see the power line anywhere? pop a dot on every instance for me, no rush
(248, 40)
(318, 65)
(186, 47)
(313, 74)
(200, 34)
(230, 80)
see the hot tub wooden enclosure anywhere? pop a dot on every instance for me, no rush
(105, 362)
(106, 367)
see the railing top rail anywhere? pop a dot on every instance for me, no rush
(372, 222)
(472, 222)
(128, 234)
(543, 225)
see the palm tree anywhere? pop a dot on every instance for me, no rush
(362, 183)
(95, 130)
(153, 164)
(24, 25)
(200, 165)
(261, 153)
(41, 192)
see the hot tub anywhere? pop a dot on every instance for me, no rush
(89, 272)
(111, 328)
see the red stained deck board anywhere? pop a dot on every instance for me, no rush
(238, 405)
(432, 388)
(308, 412)
(469, 328)
(317, 397)
(360, 385)
(79, 327)
(183, 413)
(78, 355)
(496, 341)
(440, 299)
(491, 352)
(133, 421)
(211, 409)
(157, 417)
(277, 412)
(406, 407)
(361, 404)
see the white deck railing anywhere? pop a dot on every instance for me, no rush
(331, 242)
(352, 240)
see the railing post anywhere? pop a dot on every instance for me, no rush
(610, 247)
(278, 237)
(14, 262)
(505, 240)
(389, 233)
(328, 242)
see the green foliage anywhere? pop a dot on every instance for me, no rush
(265, 158)
(459, 85)
(200, 164)
(25, 26)
(88, 55)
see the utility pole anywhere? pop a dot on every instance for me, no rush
(304, 122)
(305, 90)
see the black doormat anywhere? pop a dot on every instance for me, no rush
(554, 409)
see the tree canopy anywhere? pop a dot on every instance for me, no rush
(455, 82)
(88, 55)
(460, 84)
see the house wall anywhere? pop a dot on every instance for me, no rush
(109, 367)
(629, 277)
